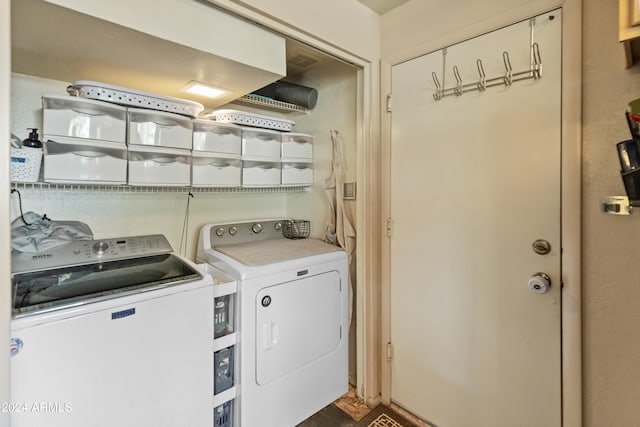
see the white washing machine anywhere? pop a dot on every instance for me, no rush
(115, 332)
(293, 319)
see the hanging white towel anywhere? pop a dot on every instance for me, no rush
(339, 230)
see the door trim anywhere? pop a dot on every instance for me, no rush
(571, 207)
(368, 240)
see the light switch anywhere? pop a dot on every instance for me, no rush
(349, 190)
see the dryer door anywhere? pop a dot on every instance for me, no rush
(297, 323)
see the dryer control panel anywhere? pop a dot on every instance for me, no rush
(245, 232)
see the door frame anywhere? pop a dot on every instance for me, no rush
(571, 203)
(367, 295)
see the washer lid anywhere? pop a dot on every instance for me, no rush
(58, 288)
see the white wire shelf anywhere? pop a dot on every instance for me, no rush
(269, 104)
(126, 189)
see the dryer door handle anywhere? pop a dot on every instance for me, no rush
(270, 335)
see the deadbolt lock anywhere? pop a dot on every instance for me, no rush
(541, 247)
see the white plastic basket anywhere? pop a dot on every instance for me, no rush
(25, 164)
(250, 119)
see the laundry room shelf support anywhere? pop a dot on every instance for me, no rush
(507, 79)
(128, 189)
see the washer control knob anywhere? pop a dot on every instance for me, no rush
(278, 226)
(100, 248)
(219, 231)
(233, 230)
(256, 228)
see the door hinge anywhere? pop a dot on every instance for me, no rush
(389, 227)
(389, 352)
(388, 103)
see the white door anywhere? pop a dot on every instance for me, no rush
(475, 180)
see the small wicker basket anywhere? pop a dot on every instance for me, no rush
(296, 229)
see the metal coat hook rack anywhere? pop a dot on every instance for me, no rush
(507, 79)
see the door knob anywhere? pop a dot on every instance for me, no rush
(539, 283)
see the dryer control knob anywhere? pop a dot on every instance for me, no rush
(219, 231)
(233, 230)
(256, 228)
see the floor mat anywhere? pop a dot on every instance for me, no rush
(384, 421)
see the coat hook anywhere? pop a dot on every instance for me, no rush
(507, 65)
(438, 93)
(458, 89)
(537, 61)
(482, 83)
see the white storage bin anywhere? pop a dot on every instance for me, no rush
(159, 166)
(25, 164)
(260, 174)
(72, 160)
(83, 118)
(208, 170)
(209, 135)
(297, 146)
(260, 143)
(148, 127)
(297, 173)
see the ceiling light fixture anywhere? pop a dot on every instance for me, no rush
(203, 89)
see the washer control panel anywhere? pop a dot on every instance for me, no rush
(87, 251)
(245, 232)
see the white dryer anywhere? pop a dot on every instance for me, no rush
(293, 319)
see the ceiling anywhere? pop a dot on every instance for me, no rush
(382, 6)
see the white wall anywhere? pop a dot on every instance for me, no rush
(418, 27)
(334, 111)
(348, 25)
(611, 243)
(5, 288)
